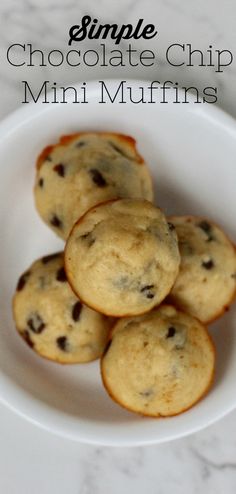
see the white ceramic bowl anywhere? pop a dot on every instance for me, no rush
(191, 150)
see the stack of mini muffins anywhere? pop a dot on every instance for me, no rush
(133, 288)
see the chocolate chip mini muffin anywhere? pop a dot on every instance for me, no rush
(122, 257)
(206, 283)
(83, 170)
(158, 364)
(52, 320)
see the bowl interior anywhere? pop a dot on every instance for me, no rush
(191, 152)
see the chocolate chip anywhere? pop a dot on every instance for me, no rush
(89, 238)
(36, 323)
(80, 144)
(210, 238)
(48, 158)
(27, 338)
(61, 275)
(207, 228)
(86, 235)
(146, 290)
(118, 150)
(97, 178)
(76, 310)
(91, 241)
(146, 393)
(55, 221)
(60, 169)
(208, 264)
(22, 281)
(171, 332)
(171, 226)
(49, 258)
(233, 276)
(107, 347)
(41, 182)
(62, 343)
(147, 287)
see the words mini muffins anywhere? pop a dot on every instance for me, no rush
(206, 283)
(122, 257)
(83, 170)
(158, 364)
(52, 320)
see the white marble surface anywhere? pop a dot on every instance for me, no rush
(32, 460)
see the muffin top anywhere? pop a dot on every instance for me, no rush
(52, 320)
(122, 257)
(206, 283)
(158, 364)
(83, 170)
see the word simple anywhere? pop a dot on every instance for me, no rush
(91, 29)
